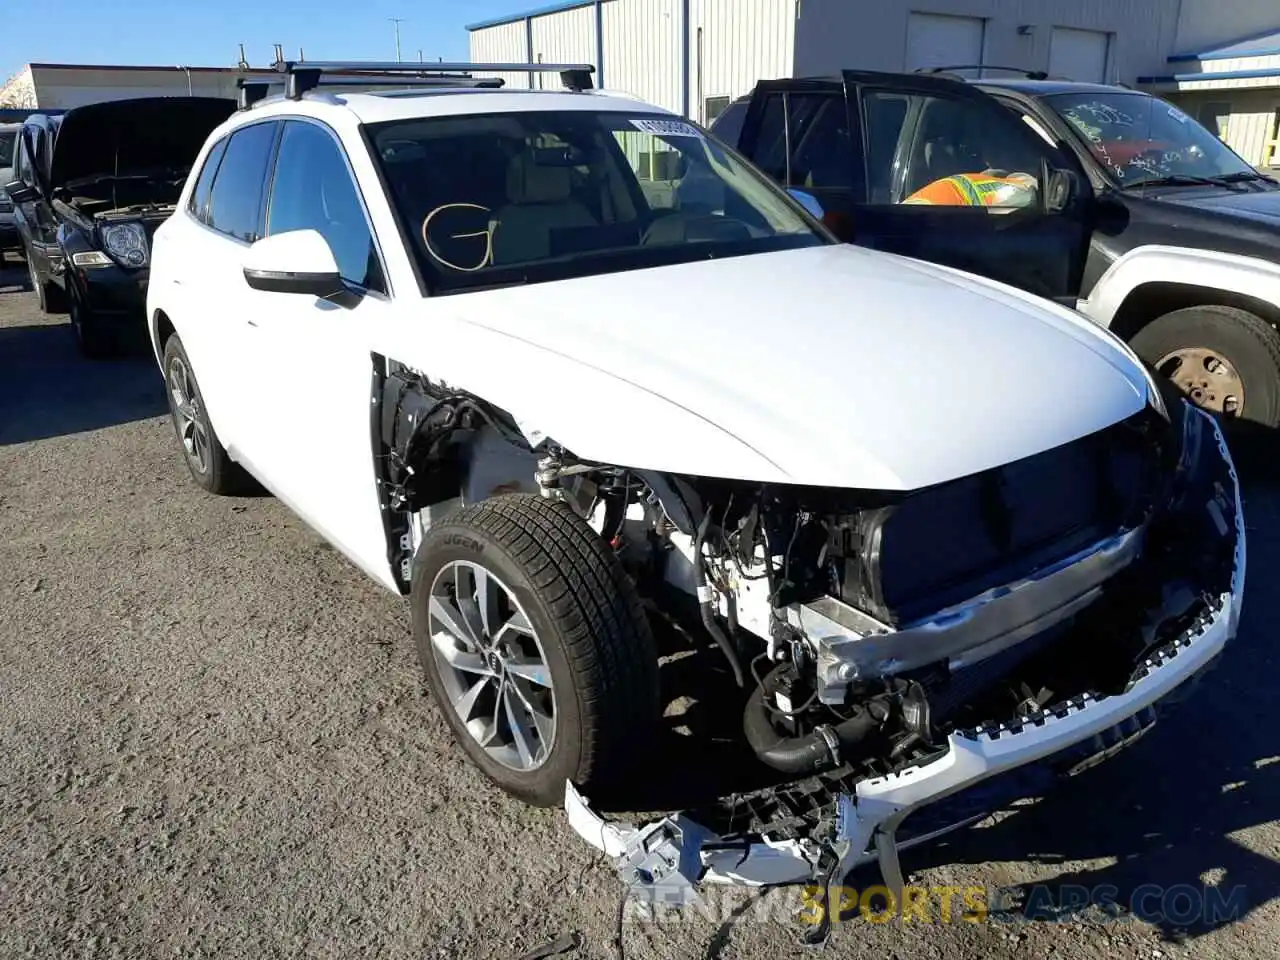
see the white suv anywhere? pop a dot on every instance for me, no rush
(555, 363)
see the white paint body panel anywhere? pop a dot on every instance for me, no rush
(831, 366)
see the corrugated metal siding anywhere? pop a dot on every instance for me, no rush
(1229, 66)
(565, 37)
(734, 43)
(835, 34)
(505, 43)
(642, 50)
(1252, 120)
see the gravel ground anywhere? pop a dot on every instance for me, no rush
(214, 742)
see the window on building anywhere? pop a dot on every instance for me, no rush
(713, 107)
(236, 206)
(313, 190)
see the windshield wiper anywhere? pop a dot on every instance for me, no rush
(1182, 180)
(1246, 176)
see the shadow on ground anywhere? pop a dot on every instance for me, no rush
(48, 390)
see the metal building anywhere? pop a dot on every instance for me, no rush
(694, 56)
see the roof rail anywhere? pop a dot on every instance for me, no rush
(303, 75)
(252, 91)
(1029, 74)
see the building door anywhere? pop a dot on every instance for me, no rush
(938, 40)
(1079, 54)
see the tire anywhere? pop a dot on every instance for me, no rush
(1245, 341)
(51, 297)
(588, 626)
(214, 470)
(94, 342)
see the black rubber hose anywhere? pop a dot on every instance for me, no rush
(810, 753)
(707, 609)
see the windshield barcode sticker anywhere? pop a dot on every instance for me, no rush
(667, 128)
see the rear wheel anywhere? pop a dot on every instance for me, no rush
(536, 647)
(1225, 360)
(206, 458)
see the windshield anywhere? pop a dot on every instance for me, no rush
(1140, 139)
(8, 139)
(530, 197)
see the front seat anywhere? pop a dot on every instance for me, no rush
(539, 200)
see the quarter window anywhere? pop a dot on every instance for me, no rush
(236, 206)
(313, 190)
(199, 206)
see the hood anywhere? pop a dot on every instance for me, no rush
(830, 366)
(127, 136)
(1259, 206)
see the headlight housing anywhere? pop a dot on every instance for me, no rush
(127, 243)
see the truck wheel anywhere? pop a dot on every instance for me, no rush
(94, 341)
(1225, 360)
(535, 646)
(50, 295)
(207, 459)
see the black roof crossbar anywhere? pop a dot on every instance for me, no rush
(252, 91)
(303, 75)
(1029, 74)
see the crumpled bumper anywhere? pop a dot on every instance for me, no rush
(974, 773)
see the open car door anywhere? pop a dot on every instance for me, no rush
(929, 168)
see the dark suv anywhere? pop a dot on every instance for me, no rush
(89, 189)
(1103, 198)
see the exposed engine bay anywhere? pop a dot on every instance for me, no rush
(875, 631)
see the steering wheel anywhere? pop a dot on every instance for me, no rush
(487, 233)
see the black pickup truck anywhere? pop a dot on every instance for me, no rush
(1106, 199)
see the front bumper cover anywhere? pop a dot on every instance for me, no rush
(971, 775)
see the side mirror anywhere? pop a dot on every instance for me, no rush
(19, 192)
(809, 202)
(299, 261)
(1061, 190)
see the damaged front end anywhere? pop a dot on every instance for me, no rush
(930, 657)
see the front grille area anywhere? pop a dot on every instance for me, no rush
(948, 543)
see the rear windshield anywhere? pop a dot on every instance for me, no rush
(530, 197)
(7, 140)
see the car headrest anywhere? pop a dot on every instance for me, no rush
(531, 182)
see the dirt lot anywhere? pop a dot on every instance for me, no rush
(214, 742)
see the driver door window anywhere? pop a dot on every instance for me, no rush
(313, 190)
(934, 151)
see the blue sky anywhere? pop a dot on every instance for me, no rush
(206, 34)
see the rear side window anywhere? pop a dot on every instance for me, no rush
(7, 141)
(313, 190)
(240, 183)
(199, 206)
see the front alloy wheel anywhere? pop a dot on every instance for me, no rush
(536, 647)
(492, 665)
